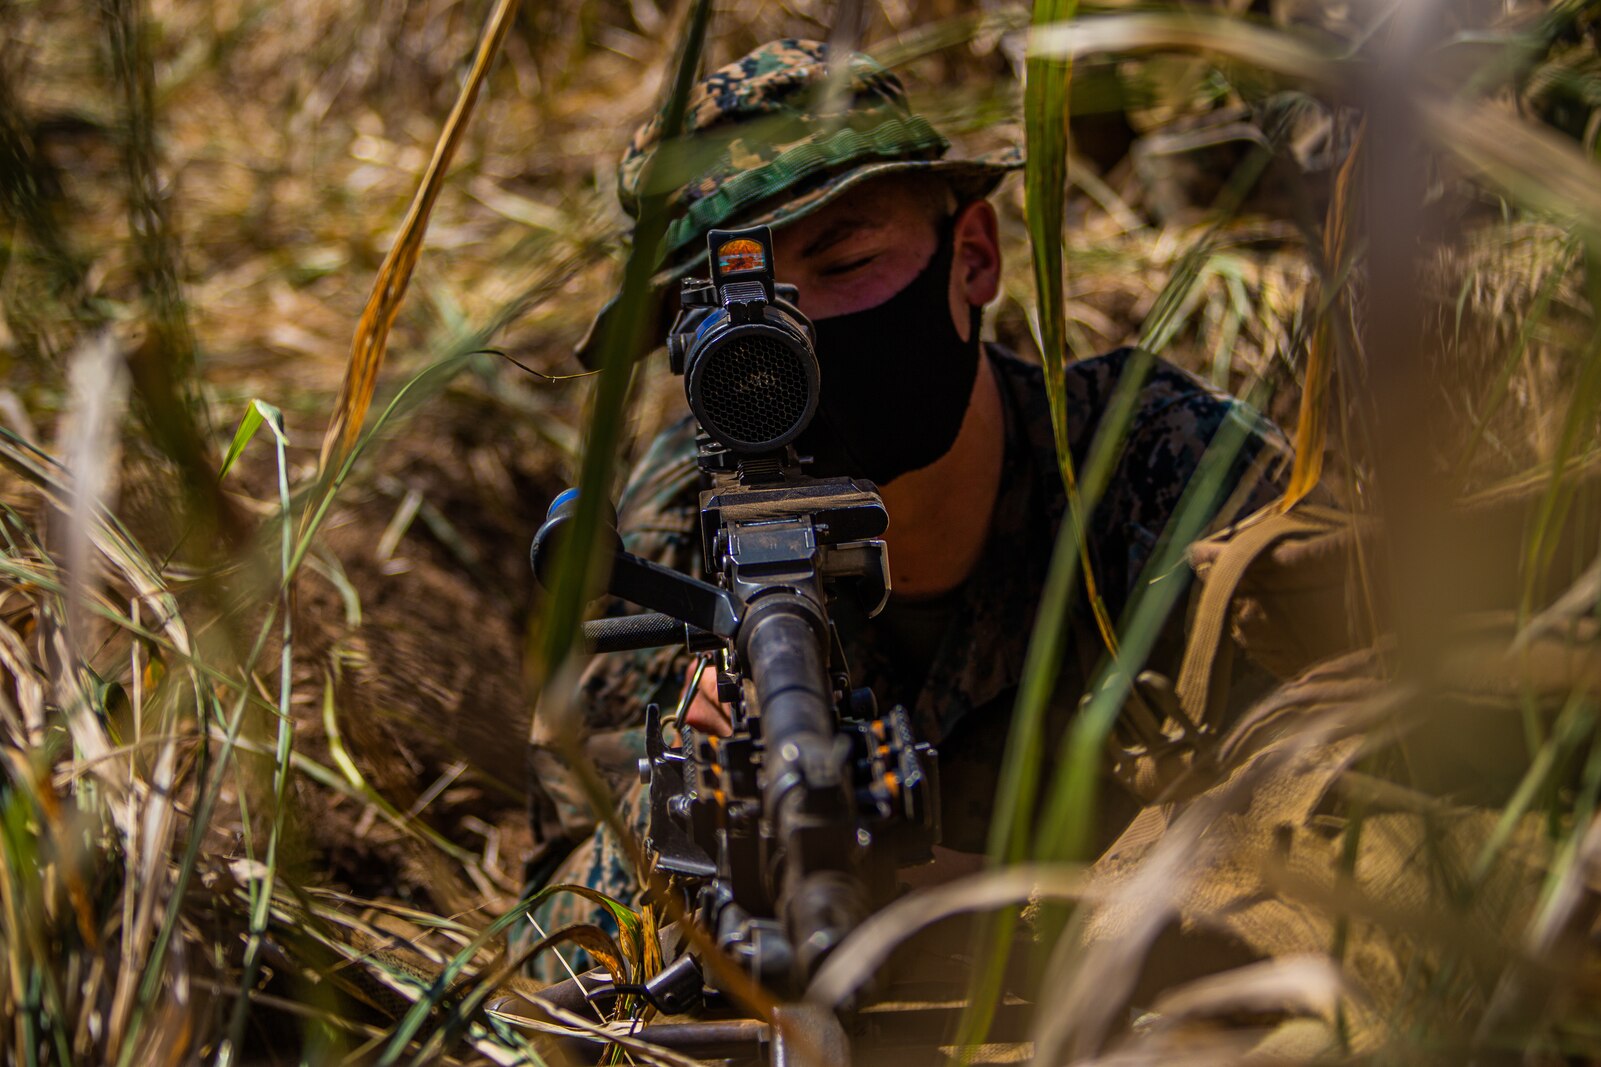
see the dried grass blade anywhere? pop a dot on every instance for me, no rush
(357, 781)
(88, 443)
(870, 944)
(389, 288)
(98, 392)
(629, 922)
(1094, 978)
(109, 538)
(1311, 431)
(1257, 47)
(1197, 1049)
(575, 1023)
(587, 936)
(1301, 984)
(1539, 168)
(24, 677)
(447, 978)
(154, 844)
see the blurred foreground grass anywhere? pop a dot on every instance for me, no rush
(245, 820)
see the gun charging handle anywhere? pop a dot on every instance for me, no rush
(688, 611)
(561, 513)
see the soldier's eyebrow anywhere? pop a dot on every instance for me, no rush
(834, 233)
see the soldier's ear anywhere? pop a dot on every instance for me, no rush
(976, 276)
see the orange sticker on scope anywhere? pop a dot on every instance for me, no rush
(741, 253)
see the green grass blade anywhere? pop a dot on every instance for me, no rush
(407, 1028)
(247, 429)
(625, 333)
(1545, 533)
(1065, 830)
(1045, 115)
(258, 412)
(261, 888)
(1011, 830)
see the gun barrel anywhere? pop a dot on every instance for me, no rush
(808, 793)
(782, 648)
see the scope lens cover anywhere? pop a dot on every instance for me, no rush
(753, 387)
(749, 372)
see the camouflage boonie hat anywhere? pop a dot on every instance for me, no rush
(774, 150)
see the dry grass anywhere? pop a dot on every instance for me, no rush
(215, 795)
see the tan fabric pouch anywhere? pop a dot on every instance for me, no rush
(1287, 589)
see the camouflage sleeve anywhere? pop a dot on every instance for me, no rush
(1177, 419)
(658, 519)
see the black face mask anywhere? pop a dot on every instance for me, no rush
(896, 379)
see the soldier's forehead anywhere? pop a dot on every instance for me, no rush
(867, 210)
(820, 233)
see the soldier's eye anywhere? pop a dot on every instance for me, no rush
(848, 266)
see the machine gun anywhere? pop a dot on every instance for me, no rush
(786, 834)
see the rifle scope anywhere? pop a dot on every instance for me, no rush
(744, 348)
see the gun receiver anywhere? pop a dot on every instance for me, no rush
(785, 834)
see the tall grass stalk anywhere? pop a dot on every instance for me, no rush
(164, 365)
(261, 890)
(1045, 113)
(626, 332)
(580, 567)
(1070, 810)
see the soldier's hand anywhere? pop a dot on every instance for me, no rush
(706, 713)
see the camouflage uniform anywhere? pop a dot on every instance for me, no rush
(774, 139)
(963, 703)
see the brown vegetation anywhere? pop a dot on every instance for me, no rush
(197, 198)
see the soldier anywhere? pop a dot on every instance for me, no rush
(893, 247)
